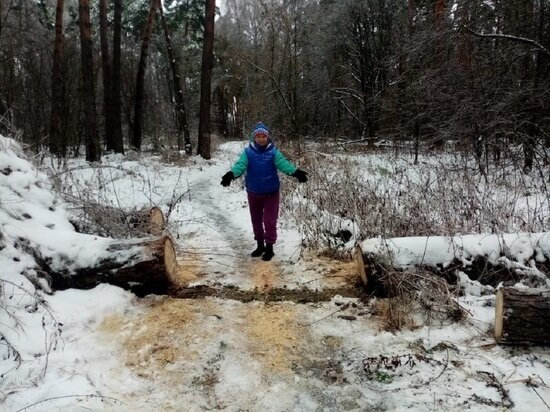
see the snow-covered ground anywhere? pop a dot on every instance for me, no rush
(106, 349)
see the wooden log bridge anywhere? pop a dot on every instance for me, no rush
(522, 316)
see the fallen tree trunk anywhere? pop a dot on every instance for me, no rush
(119, 223)
(146, 265)
(489, 259)
(522, 316)
(371, 267)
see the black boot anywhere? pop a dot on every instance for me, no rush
(268, 254)
(259, 250)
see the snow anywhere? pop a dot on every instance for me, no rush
(107, 349)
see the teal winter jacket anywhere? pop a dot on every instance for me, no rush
(260, 165)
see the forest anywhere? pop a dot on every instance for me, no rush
(113, 75)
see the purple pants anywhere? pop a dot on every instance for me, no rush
(264, 211)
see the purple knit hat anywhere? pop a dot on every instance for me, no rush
(260, 128)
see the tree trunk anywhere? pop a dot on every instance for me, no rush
(93, 152)
(439, 11)
(206, 79)
(373, 266)
(221, 112)
(57, 140)
(149, 263)
(522, 316)
(118, 143)
(107, 74)
(181, 112)
(140, 82)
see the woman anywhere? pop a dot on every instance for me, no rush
(260, 161)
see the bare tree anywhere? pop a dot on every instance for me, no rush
(107, 74)
(93, 151)
(140, 82)
(181, 112)
(203, 148)
(118, 144)
(57, 140)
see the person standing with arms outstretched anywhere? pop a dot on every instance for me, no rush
(260, 161)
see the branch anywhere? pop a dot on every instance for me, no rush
(353, 114)
(525, 40)
(349, 92)
(276, 85)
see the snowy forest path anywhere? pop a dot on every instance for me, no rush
(228, 255)
(233, 334)
(224, 259)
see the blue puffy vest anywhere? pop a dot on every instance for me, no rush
(261, 176)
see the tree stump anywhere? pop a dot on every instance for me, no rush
(522, 316)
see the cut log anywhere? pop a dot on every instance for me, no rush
(370, 268)
(361, 265)
(522, 316)
(145, 264)
(156, 221)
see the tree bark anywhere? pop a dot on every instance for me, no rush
(57, 138)
(181, 112)
(118, 143)
(107, 74)
(203, 148)
(93, 152)
(140, 82)
(522, 316)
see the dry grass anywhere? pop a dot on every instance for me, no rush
(394, 313)
(418, 292)
(388, 196)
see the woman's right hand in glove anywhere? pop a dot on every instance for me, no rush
(227, 178)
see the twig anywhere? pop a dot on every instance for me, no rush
(316, 279)
(341, 309)
(543, 401)
(70, 396)
(442, 370)
(531, 42)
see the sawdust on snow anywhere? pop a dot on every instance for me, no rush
(264, 274)
(273, 335)
(161, 335)
(169, 330)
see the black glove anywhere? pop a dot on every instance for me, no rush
(300, 175)
(227, 178)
